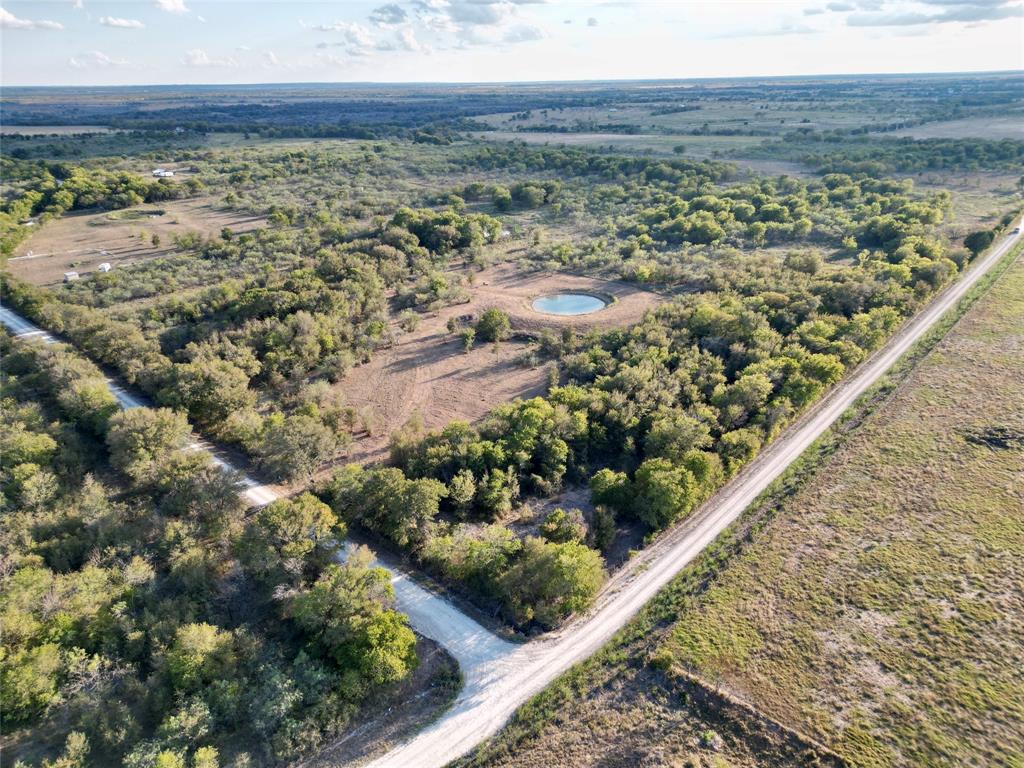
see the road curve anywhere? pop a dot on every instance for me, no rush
(492, 694)
(429, 614)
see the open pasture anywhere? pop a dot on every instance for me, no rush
(83, 240)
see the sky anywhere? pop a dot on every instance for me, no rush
(87, 42)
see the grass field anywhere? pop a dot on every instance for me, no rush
(1009, 127)
(881, 610)
(759, 117)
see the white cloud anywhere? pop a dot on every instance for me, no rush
(358, 40)
(201, 19)
(9, 21)
(523, 33)
(270, 59)
(353, 31)
(388, 15)
(95, 60)
(77, 4)
(197, 57)
(330, 58)
(477, 22)
(172, 6)
(480, 13)
(113, 21)
(407, 40)
(966, 12)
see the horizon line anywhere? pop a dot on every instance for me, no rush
(589, 81)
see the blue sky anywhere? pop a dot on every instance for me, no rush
(82, 42)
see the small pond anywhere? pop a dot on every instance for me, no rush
(569, 304)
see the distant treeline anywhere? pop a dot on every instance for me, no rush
(927, 154)
(833, 153)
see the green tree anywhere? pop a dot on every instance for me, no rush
(199, 655)
(502, 198)
(673, 434)
(612, 489)
(738, 447)
(140, 439)
(493, 325)
(976, 242)
(468, 336)
(387, 502)
(205, 757)
(18, 445)
(287, 537)
(497, 492)
(210, 390)
(560, 526)
(348, 616)
(664, 493)
(461, 490)
(550, 581)
(292, 447)
(75, 754)
(29, 679)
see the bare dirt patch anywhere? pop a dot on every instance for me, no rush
(428, 372)
(513, 292)
(81, 241)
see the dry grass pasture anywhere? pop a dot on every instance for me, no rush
(881, 609)
(635, 719)
(1005, 127)
(81, 241)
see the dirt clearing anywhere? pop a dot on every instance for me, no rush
(428, 372)
(81, 241)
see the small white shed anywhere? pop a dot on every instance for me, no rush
(69, 276)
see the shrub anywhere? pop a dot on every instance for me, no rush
(493, 325)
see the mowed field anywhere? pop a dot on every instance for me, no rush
(881, 610)
(82, 241)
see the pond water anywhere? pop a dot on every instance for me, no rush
(569, 304)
